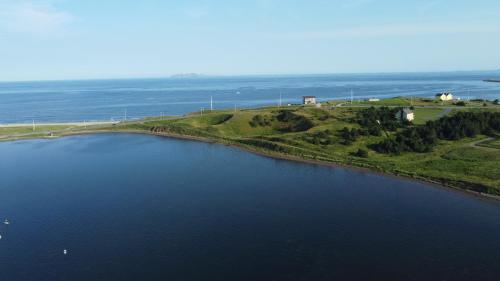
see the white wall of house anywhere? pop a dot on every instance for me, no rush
(409, 116)
(309, 100)
(447, 97)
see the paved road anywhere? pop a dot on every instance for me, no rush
(445, 112)
(418, 106)
(59, 124)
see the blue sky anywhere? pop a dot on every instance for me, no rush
(80, 39)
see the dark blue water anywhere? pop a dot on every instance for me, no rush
(59, 101)
(148, 208)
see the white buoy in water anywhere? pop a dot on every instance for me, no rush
(65, 251)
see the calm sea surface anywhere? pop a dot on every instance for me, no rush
(148, 208)
(59, 101)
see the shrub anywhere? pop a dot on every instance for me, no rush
(259, 120)
(294, 122)
(349, 136)
(376, 119)
(361, 153)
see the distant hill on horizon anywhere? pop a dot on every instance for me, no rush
(186, 75)
(495, 80)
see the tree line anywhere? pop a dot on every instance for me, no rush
(458, 126)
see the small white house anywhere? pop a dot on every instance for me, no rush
(373, 100)
(309, 100)
(445, 96)
(405, 114)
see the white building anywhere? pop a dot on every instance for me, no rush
(309, 100)
(405, 114)
(445, 96)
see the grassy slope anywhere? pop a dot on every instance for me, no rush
(454, 163)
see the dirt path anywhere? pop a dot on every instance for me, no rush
(476, 145)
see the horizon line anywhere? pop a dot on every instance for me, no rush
(195, 75)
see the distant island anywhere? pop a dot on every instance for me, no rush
(186, 75)
(453, 143)
(492, 80)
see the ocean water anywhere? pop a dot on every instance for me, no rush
(130, 207)
(92, 100)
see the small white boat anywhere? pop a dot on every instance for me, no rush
(6, 222)
(65, 251)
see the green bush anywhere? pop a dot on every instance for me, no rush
(361, 153)
(293, 122)
(259, 120)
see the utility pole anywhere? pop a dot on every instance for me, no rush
(352, 96)
(280, 100)
(125, 115)
(34, 125)
(211, 103)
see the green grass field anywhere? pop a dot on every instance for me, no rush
(423, 115)
(312, 133)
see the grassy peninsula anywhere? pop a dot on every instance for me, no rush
(434, 147)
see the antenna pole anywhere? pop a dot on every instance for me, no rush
(125, 114)
(211, 103)
(352, 96)
(34, 127)
(280, 100)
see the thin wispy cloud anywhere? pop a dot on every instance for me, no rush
(398, 30)
(355, 3)
(196, 12)
(35, 18)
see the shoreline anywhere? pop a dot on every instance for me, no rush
(278, 156)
